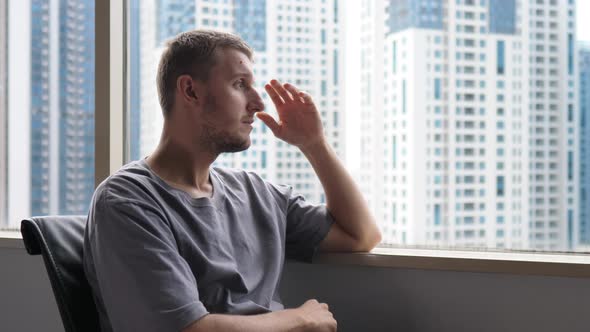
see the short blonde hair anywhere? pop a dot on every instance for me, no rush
(192, 53)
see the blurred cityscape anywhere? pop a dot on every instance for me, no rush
(471, 119)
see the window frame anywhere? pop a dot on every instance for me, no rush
(110, 87)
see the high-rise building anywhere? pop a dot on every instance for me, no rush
(548, 32)
(468, 125)
(51, 134)
(584, 67)
(297, 42)
(76, 106)
(3, 112)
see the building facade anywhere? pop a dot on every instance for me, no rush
(553, 190)
(467, 135)
(51, 108)
(584, 67)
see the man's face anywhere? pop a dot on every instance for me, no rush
(230, 102)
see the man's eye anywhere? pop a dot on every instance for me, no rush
(241, 84)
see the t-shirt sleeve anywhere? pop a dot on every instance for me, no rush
(144, 282)
(307, 226)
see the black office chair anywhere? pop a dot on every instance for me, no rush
(59, 240)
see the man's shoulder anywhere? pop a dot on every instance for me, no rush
(127, 183)
(133, 193)
(240, 179)
(233, 177)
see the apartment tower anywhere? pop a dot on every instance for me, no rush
(468, 122)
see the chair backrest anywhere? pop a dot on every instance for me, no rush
(59, 239)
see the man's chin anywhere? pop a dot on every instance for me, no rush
(236, 147)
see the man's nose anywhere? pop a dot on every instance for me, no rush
(256, 103)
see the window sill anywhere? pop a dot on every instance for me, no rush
(541, 264)
(11, 240)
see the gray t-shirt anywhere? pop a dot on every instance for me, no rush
(158, 259)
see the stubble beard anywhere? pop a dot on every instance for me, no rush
(218, 140)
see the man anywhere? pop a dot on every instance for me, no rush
(173, 244)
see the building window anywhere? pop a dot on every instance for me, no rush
(335, 71)
(570, 54)
(500, 186)
(437, 88)
(394, 50)
(570, 228)
(437, 214)
(403, 96)
(570, 165)
(500, 57)
(393, 151)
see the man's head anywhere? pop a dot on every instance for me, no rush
(192, 53)
(206, 89)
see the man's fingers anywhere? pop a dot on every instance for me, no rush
(274, 96)
(283, 93)
(269, 121)
(306, 97)
(278, 87)
(294, 92)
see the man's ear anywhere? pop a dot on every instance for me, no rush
(187, 89)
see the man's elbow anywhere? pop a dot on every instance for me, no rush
(370, 240)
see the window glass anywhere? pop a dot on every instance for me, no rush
(388, 117)
(46, 108)
(305, 52)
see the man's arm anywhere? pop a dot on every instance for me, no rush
(355, 228)
(299, 124)
(312, 316)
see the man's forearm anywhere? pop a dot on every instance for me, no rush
(278, 321)
(343, 198)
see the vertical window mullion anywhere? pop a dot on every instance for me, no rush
(110, 87)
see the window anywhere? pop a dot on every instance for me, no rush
(335, 69)
(570, 54)
(404, 96)
(46, 109)
(500, 186)
(437, 92)
(394, 57)
(500, 57)
(307, 48)
(394, 151)
(570, 165)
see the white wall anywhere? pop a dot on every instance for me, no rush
(26, 300)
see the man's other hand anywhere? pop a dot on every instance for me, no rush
(317, 317)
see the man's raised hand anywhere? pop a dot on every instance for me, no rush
(299, 121)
